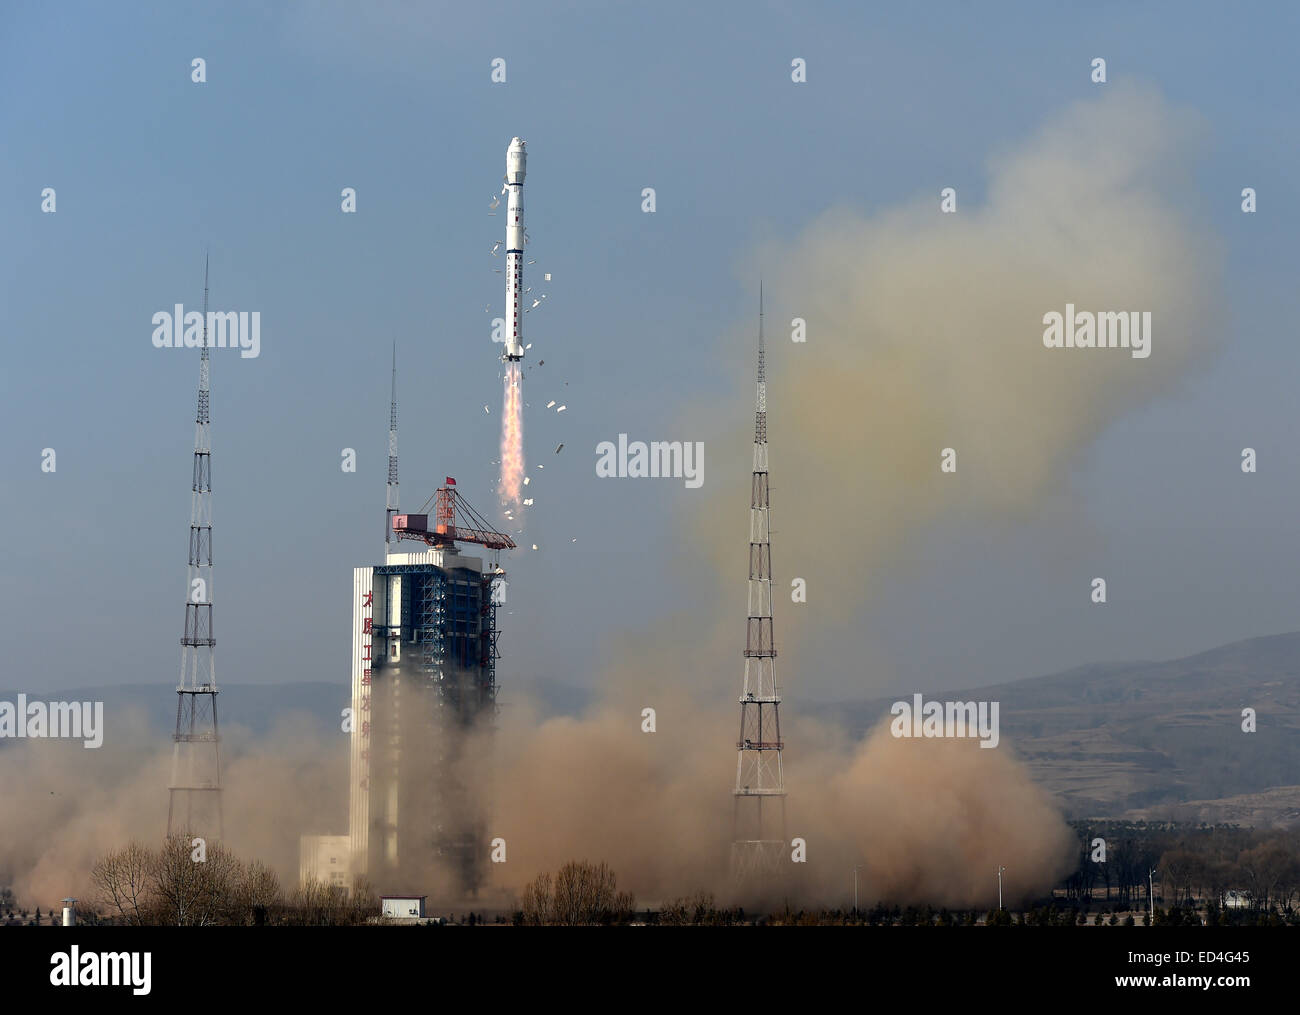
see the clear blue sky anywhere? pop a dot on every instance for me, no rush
(395, 100)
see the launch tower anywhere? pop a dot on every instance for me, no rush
(424, 651)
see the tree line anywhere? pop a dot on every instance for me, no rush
(1193, 864)
(141, 886)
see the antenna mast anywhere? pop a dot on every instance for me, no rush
(196, 760)
(389, 537)
(759, 840)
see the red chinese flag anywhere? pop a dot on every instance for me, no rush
(450, 481)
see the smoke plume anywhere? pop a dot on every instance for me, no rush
(924, 332)
(65, 807)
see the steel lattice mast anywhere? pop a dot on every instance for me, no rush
(194, 807)
(759, 841)
(389, 537)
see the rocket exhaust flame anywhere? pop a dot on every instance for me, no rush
(512, 436)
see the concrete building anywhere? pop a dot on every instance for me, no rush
(325, 858)
(423, 680)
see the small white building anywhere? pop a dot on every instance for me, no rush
(403, 907)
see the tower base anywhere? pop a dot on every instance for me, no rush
(757, 858)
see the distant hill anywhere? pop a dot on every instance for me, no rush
(1154, 739)
(258, 707)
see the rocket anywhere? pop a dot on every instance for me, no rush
(516, 163)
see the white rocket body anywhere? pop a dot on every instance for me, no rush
(516, 166)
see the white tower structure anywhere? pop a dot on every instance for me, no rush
(759, 840)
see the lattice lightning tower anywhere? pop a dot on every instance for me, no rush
(392, 508)
(759, 842)
(194, 807)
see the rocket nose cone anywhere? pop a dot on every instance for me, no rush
(517, 143)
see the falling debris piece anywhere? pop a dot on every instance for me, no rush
(526, 479)
(550, 403)
(529, 345)
(541, 466)
(528, 502)
(541, 362)
(561, 408)
(536, 304)
(559, 447)
(496, 203)
(547, 276)
(534, 546)
(574, 539)
(532, 260)
(495, 247)
(486, 409)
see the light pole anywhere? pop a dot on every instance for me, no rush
(855, 888)
(1000, 870)
(1151, 894)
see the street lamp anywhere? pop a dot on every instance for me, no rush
(1151, 894)
(1000, 870)
(855, 887)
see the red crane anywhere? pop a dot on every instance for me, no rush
(454, 520)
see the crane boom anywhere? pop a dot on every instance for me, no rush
(454, 521)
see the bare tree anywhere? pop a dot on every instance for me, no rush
(697, 908)
(536, 900)
(195, 886)
(1178, 868)
(363, 903)
(318, 904)
(580, 893)
(175, 880)
(256, 894)
(1266, 867)
(123, 881)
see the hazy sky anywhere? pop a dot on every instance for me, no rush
(648, 317)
